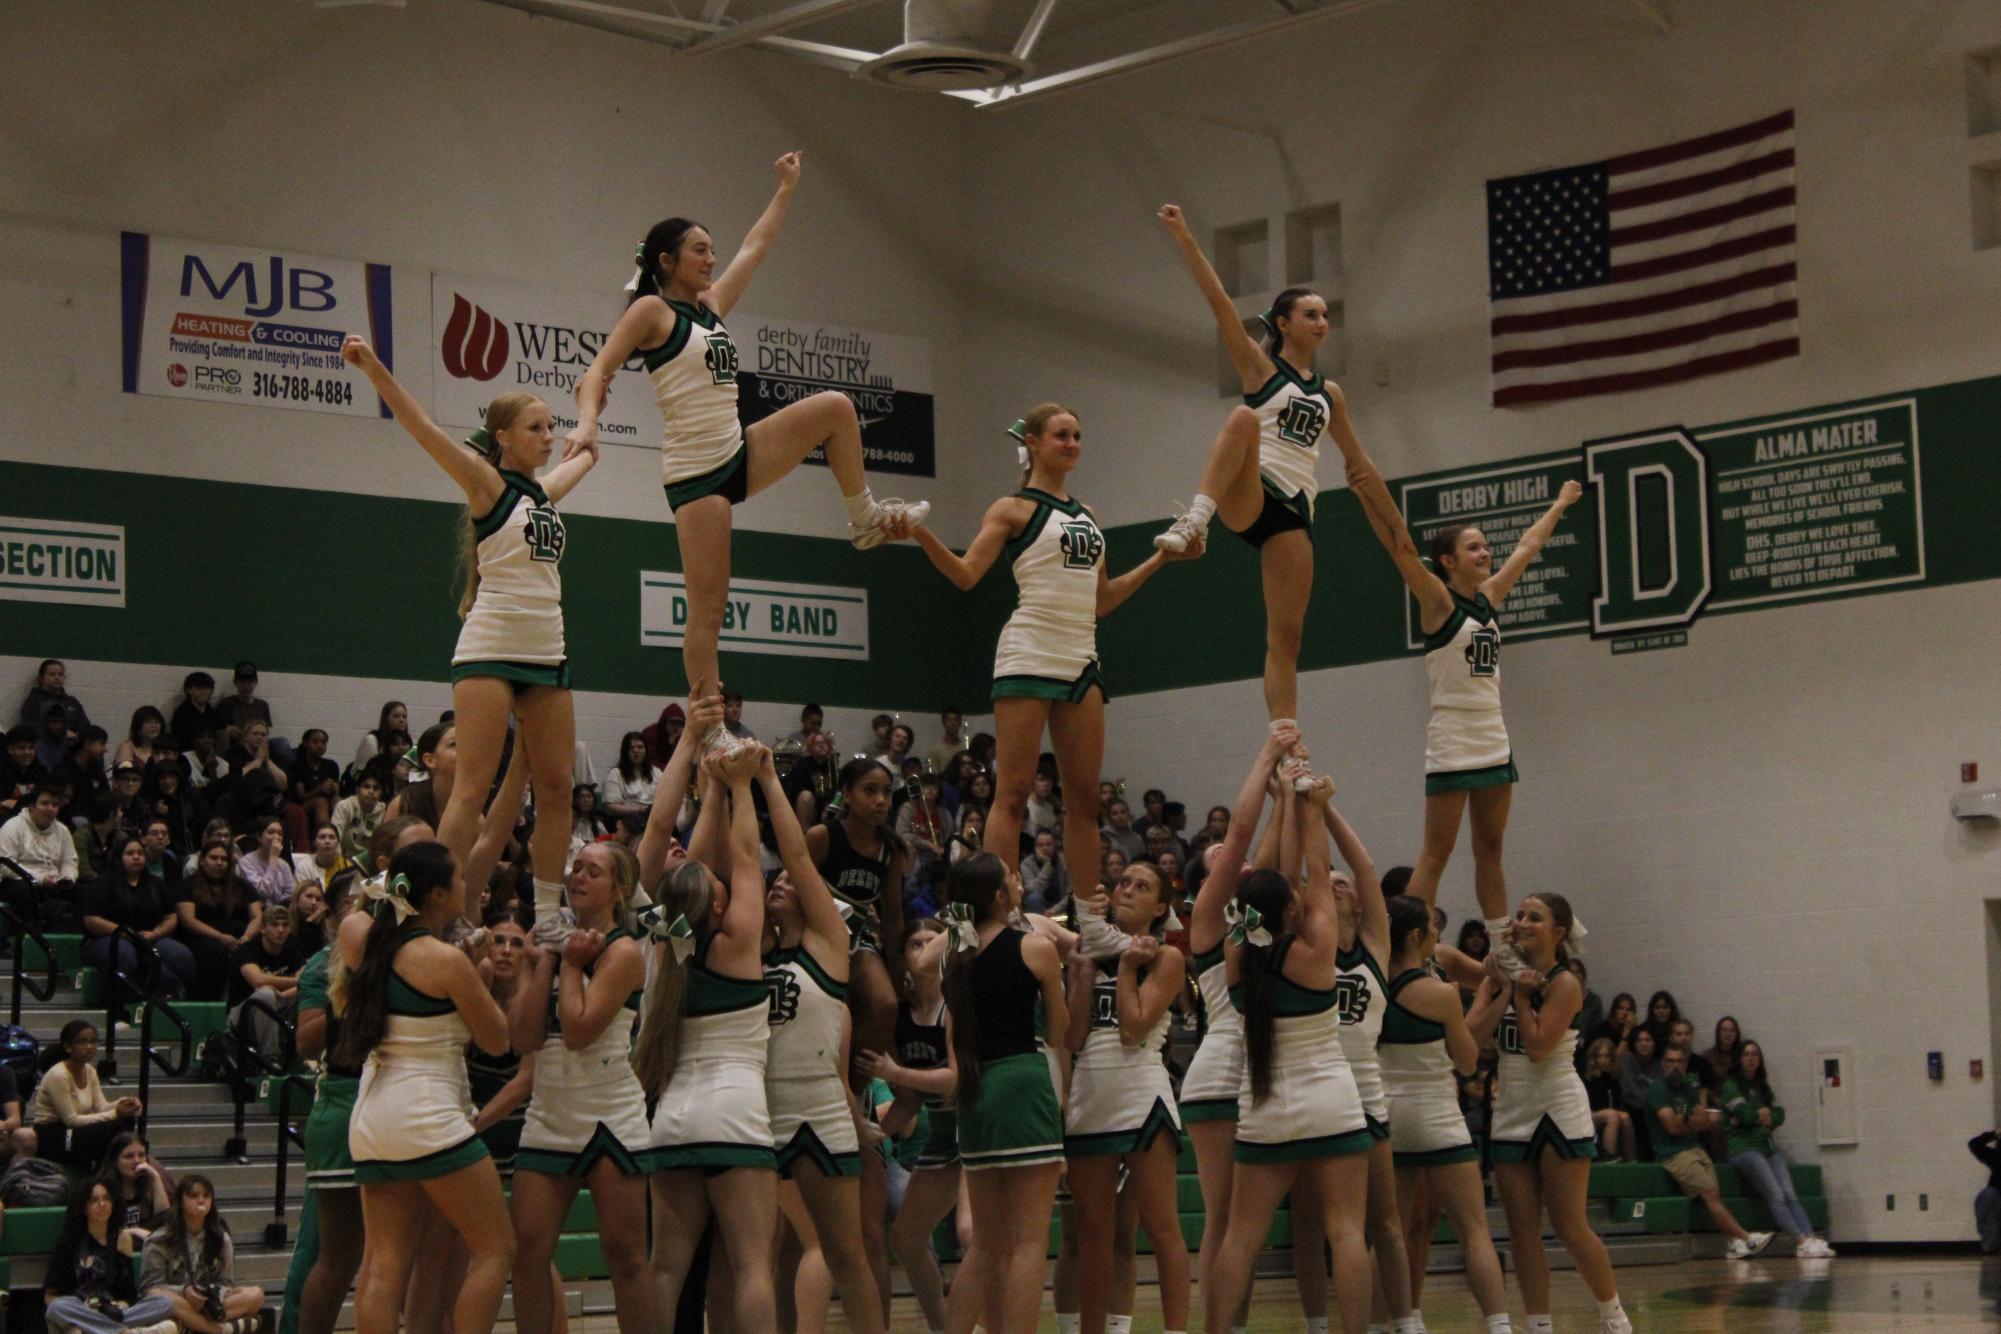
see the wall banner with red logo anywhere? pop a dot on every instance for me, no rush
(228, 324)
(491, 337)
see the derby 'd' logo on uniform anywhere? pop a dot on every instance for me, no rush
(1508, 1037)
(1351, 997)
(1302, 421)
(784, 996)
(1105, 1006)
(721, 358)
(1483, 655)
(475, 343)
(1083, 544)
(544, 533)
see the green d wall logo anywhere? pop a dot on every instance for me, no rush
(761, 616)
(54, 560)
(1653, 531)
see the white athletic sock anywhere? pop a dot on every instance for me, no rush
(1118, 1324)
(1539, 1324)
(1495, 926)
(859, 504)
(1416, 1318)
(1316, 1324)
(1202, 510)
(1410, 1324)
(1500, 1324)
(548, 897)
(1614, 1315)
(1067, 1322)
(1379, 1329)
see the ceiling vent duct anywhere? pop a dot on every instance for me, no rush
(948, 46)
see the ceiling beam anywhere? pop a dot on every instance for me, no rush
(713, 11)
(1656, 14)
(792, 16)
(1158, 55)
(598, 14)
(1031, 32)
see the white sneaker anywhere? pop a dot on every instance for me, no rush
(553, 930)
(1097, 938)
(1511, 961)
(1746, 1247)
(1181, 535)
(1813, 1248)
(1298, 773)
(869, 533)
(720, 742)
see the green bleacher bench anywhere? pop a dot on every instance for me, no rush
(583, 1215)
(578, 1256)
(1656, 1213)
(31, 1230)
(68, 950)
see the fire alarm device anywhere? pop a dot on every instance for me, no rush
(1969, 773)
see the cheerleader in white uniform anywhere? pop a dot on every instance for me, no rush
(411, 1003)
(701, 1054)
(1121, 1109)
(1260, 477)
(1468, 761)
(1046, 664)
(511, 659)
(1542, 1135)
(709, 462)
(805, 1073)
(586, 1120)
(1300, 1115)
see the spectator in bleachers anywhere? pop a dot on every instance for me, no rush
(124, 896)
(1721, 1058)
(1045, 808)
(1621, 1021)
(309, 914)
(1119, 832)
(1753, 1113)
(196, 711)
(924, 828)
(242, 708)
(1592, 1012)
(662, 735)
(93, 839)
(438, 756)
(1042, 874)
(49, 692)
(356, 816)
(256, 785)
(902, 741)
(733, 717)
(162, 862)
(953, 781)
(74, 1121)
(90, 1285)
(1608, 1109)
(981, 748)
(939, 757)
(266, 968)
(190, 1262)
(972, 833)
(1473, 941)
(218, 912)
(322, 864)
(172, 799)
(84, 771)
(630, 784)
(878, 728)
(1159, 843)
(140, 1195)
(1986, 1146)
(1662, 1011)
(314, 780)
(1173, 886)
(393, 718)
(36, 841)
(1675, 1117)
(1112, 869)
(128, 784)
(1153, 811)
(1681, 1037)
(142, 737)
(980, 795)
(814, 779)
(812, 719)
(266, 868)
(53, 739)
(587, 822)
(1639, 1067)
(204, 761)
(20, 772)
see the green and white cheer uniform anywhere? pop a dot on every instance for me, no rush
(1539, 1104)
(803, 1087)
(694, 375)
(1216, 1072)
(1427, 1129)
(1121, 1098)
(1313, 1109)
(413, 1112)
(1359, 985)
(713, 1112)
(1466, 745)
(514, 629)
(1049, 648)
(587, 1106)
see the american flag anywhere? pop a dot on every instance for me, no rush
(1646, 269)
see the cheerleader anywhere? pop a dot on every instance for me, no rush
(1046, 664)
(1468, 761)
(701, 1055)
(412, 1001)
(1010, 1123)
(709, 463)
(1260, 474)
(511, 659)
(1542, 1136)
(1365, 932)
(862, 862)
(922, 1078)
(1121, 1110)
(805, 1076)
(1300, 1116)
(1424, 1040)
(586, 1121)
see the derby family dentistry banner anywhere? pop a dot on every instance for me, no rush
(490, 337)
(228, 324)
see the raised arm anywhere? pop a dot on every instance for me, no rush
(1502, 581)
(823, 915)
(1002, 519)
(708, 841)
(562, 479)
(646, 322)
(586, 1011)
(1220, 885)
(476, 477)
(728, 289)
(1543, 1029)
(1489, 1004)
(1374, 927)
(528, 1012)
(1316, 894)
(742, 930)
(1253, 366)
(705, 709)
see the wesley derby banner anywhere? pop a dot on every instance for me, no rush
(232, 325)
(489, 337)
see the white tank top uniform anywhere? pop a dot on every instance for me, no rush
(1427, 1129)
(1313, 1109)
(1216, 1072)
(810, 1116)
(694, 375)
(1121, 1097)
(413, 1112)
(1292, 412)
(1539, 1104)
(1360, 987)
(1466, 745)
(514, 629)
(587, 1105)
(713, 1112)
(1049, 648)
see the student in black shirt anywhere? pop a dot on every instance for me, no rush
(315, 779)
(266, 967)
(90, 1283)
(140, 1193)
(196, 713)
(20, 771)
(126, 896)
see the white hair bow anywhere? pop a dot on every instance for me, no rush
(395, 893)
(679, 933)
(1246, 925)
(1019, 433)
(638, 267)
(958, 922)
